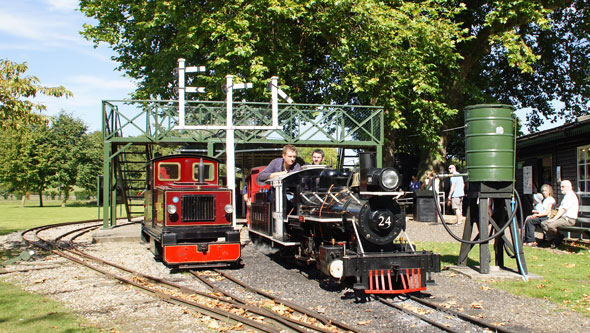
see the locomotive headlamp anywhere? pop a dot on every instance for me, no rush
(175, 199)
(386, 179)
(229, 209)
(389, 179)
(171, 209)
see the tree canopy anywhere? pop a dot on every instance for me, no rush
(422, 60)
(16, 90)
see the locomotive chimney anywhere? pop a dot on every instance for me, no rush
(367, 160)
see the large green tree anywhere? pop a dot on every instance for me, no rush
(16, 91)
(90, 164)
(422, 60)
(67, 143)
(26, 159)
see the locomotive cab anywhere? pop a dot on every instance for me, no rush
(188, 215)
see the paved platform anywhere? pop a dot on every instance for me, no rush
(495, 273)
(124, 233)
(128, 233)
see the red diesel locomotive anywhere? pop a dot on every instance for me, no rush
(188, 215)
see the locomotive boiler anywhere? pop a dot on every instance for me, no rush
(188, 215)
(347, 224)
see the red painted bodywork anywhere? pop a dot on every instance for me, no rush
(188, 253)
(254, 187)
(380, 282)
(178, 176)
(222, 198)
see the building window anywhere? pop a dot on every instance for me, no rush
(584, 169)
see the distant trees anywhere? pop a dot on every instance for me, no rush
(37, 152)
(54, 153)
(16, 110)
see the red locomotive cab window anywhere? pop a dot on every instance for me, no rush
(169, 171)
(208, 171)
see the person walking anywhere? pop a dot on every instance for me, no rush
(456, 193)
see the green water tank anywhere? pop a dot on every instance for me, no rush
(489, 142)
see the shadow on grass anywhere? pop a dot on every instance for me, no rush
(452, 260)
(7, 231)
(68, 204)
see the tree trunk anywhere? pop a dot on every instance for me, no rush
(65, 198)
(40, 198)
(22, 202)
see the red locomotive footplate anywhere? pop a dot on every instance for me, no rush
(380, 282)
(189, 253)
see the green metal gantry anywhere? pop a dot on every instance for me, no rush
(129, 124)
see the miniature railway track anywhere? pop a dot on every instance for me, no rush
(292, 306)
(455, 322)
(237, 312)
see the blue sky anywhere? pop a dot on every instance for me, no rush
(45, 35)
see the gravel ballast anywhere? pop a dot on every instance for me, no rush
(108, 304)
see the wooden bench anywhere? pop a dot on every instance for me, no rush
(581, 230)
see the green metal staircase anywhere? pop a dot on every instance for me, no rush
(131, 166)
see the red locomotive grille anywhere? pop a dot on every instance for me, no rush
(197, 208)
(380, 282)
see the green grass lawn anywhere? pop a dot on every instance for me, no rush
(24, 312)
(566, 273)
(21, 311)
(14, 218)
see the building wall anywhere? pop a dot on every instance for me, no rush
(563, 150)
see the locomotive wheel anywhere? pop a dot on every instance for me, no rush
(380, 225)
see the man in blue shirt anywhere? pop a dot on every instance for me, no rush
(415, 184)
(282, 165)
(456, 193)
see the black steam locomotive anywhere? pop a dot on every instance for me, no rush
(346, 223)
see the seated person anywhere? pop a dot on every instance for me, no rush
(566, 214)
(538, 198)
(317, 157)
(282, 165)
(540, 214)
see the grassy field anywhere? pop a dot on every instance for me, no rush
(566, 273)
(24, 312)
(14, 218)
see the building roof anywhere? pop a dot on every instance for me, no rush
(578, 127)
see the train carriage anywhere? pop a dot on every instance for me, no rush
(347, 224)
(188, 215)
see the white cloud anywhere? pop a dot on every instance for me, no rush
(64, 5)
(42, 27)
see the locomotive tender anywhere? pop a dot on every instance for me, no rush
(188, 215)
(347, 223)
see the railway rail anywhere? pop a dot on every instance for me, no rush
(235, 311)
(454, 321)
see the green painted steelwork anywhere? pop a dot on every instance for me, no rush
(127, 123)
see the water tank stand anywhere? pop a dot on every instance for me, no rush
(496, 205)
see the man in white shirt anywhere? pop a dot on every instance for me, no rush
(456, 193)
(566, 215)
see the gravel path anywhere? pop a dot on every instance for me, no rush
(110, 305)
